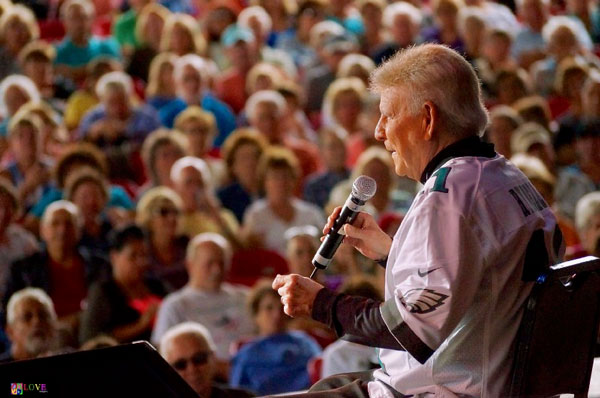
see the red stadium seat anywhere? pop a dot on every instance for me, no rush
(249, 265)
(51, 30)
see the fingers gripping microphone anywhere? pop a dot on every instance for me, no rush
(363, 189)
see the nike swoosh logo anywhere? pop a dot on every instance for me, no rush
(423, 273)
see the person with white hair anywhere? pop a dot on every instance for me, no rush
(31, 326)
(15, 91)
(116, 118)
(356, 65)
(192, 180)
(587, 222)
(535, 140)
(117, 124)
(61, 269)
(208, 259)
(80, 46)
(258, 20)
(403, 22)
(439, 303)
(564, 37)
(192, 76)
(190, 350)
(265, 111)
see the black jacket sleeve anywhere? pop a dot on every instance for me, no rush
(356, 319)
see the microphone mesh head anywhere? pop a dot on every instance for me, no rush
(364, 188)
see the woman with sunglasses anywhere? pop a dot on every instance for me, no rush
(158, 213)
(123, 305)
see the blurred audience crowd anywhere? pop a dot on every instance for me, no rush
(162, 160)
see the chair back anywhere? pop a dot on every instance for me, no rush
(249, 265)
(557, 336)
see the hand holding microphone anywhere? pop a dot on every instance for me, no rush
(363, 189)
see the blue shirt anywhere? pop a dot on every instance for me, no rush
(117, 197)
(142, 122)
(181, 6)
(235, 198)
(526, 41)
(318, 187)
(274, 364)
(223, 115)
(70, 54)
(158, 102)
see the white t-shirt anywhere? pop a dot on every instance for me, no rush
(344, 356)
(453, 280)
(261, 220)
(224, 314)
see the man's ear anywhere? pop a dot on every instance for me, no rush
(430, 118)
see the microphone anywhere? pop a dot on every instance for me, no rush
(363, 189)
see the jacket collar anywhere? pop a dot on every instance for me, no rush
(471, 146)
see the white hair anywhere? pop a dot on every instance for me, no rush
(521, 3)
(587, 207)
(401, 8)
(264, 96)
(210, 237)
(470, 12)
(321, 30)
(340, 85)
(24, 83)
(116, 78)
(189, 328)
(34, 293)
(533, 168)
(433, 72)
(303, 230)
(204, 69)
(350, 60)
(198, 164)
(66, 205)
(87, 6)
(573, 24)
(528, 134)
(193, 60)
(264, 19)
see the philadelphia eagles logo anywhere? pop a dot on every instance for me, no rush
(422, 301)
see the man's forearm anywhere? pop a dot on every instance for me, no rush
(357, 318)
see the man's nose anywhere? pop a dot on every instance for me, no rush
(380, 131)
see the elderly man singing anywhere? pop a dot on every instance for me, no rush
(457, 269)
